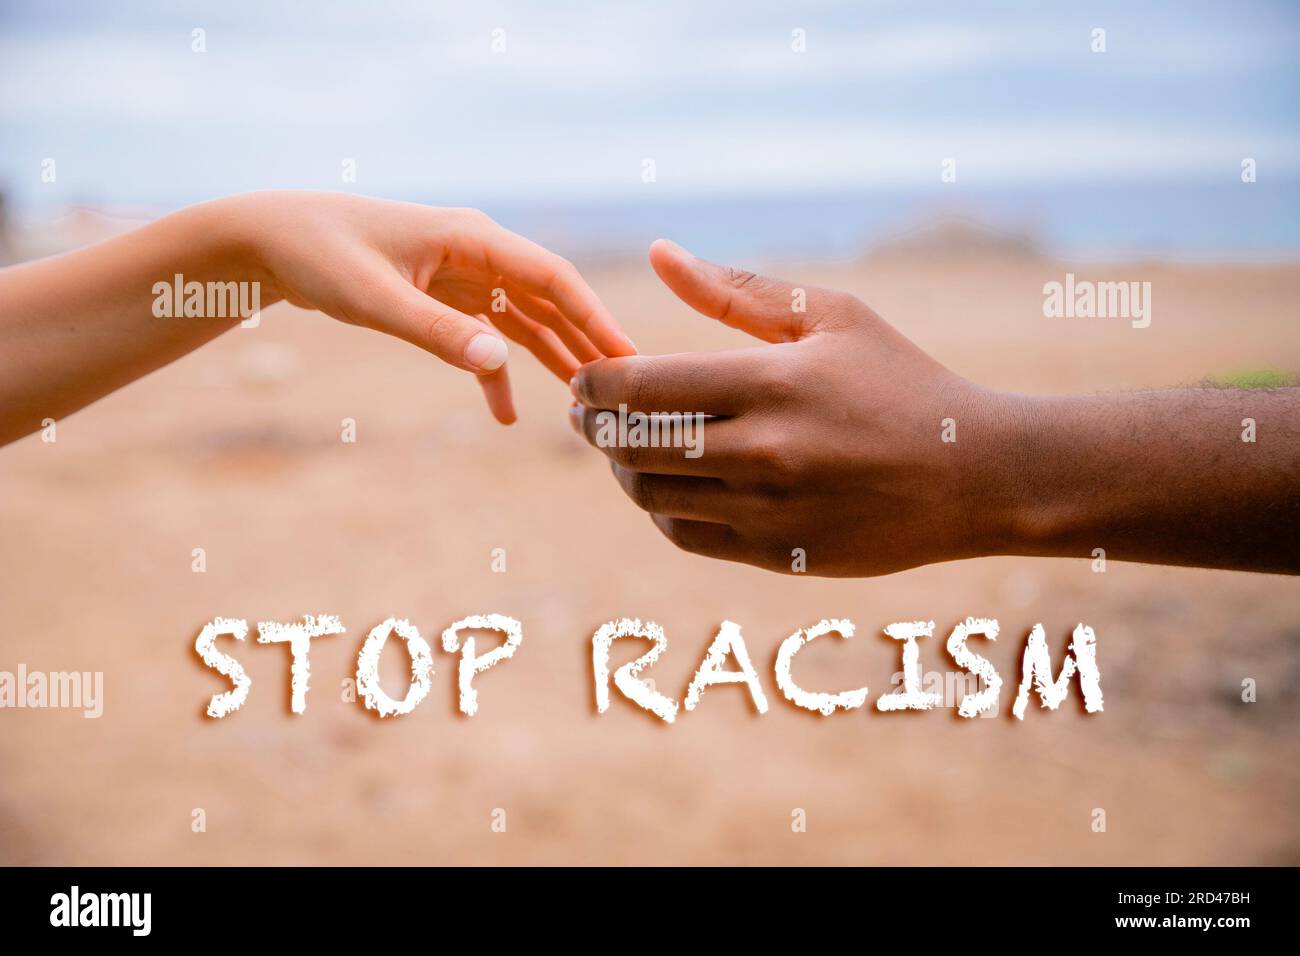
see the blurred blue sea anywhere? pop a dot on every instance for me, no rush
(1256, 222)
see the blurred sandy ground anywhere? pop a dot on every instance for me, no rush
(237, 450)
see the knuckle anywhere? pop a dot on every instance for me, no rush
(776, 382)
(772, 494)
(846, 303)
(739, 278)
(437, 326)
(689, 535)
(641, 489)
(563, 274)
(582, 385)
(639, 386)
(629, 456)
(676, 532)
(770, 459)
(591, 426)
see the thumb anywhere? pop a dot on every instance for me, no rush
(770, 309)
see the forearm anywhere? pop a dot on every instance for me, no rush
(1164, 477)
(77, 326)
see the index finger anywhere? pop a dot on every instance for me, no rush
(712, 383)
(551, 277)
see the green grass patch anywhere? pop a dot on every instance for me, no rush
(1255, 378)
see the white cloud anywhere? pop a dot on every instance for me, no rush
(583, 94)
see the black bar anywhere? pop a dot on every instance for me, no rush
(267, 905)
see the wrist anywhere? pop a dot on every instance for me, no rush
(1014, 515)
(233, 233)
(1039, 513)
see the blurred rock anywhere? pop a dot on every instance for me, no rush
(267, 364)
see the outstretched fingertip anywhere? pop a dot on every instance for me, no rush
(500, 398)
(666, 247)
(485, 352)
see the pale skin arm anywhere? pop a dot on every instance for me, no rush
(75, 327)
(829, 440)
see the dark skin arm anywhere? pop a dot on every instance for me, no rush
(830, 439)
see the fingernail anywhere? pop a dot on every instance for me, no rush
(487, 353)
(575, 418)
(573, 387)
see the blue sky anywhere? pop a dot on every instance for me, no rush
(584, 92)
